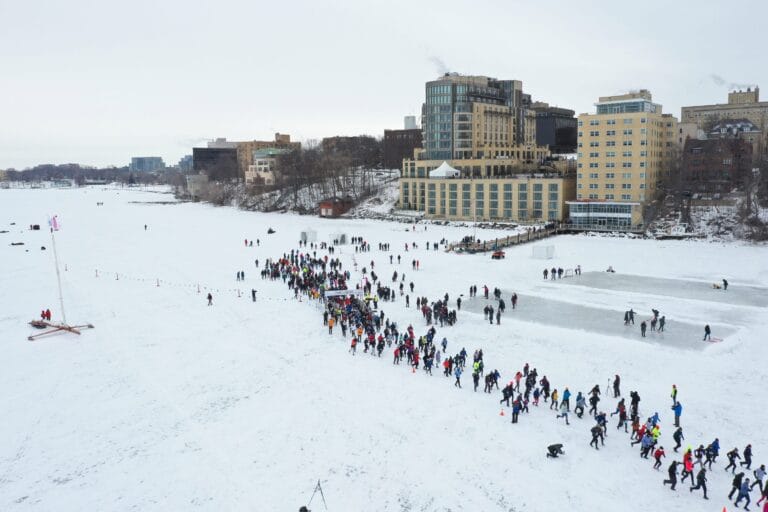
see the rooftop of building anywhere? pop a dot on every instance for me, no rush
(541, 107)
(736, 99)
(642, 94)
(478, 80)
(714, 145)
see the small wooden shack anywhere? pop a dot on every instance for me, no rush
(335, 206)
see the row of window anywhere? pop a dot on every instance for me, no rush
(627, 120)
(611, 133)
(625, 186)
(611, 175)
(624, 197)
(611, 165)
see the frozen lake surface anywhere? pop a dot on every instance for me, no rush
(170, 404)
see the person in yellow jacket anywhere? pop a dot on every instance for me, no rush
(555, 397)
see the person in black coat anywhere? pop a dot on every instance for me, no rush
(701, 482)
(747, 457)
(672, 474)
(736, 485)
(554, 450)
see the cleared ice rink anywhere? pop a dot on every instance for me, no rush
(739, 295)
(597, 320)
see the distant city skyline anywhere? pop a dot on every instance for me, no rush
(98, 84)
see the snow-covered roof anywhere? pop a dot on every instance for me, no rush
(444, 171)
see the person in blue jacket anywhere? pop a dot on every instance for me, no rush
(581, 404)
(715, 449)
(678, 410)
(515, 410)
(566, 399)
(743, 493)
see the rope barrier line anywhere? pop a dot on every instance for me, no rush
(159, 283)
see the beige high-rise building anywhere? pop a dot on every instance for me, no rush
(483, 132)
(625, 150)
(741, 105)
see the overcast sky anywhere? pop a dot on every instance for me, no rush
(99, 81)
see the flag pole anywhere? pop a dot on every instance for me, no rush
(55, 328)
(58, 277)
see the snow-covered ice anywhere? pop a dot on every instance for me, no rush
(169, 404)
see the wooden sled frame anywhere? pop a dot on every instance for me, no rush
(55, 328)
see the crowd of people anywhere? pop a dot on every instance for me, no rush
(325, 279)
